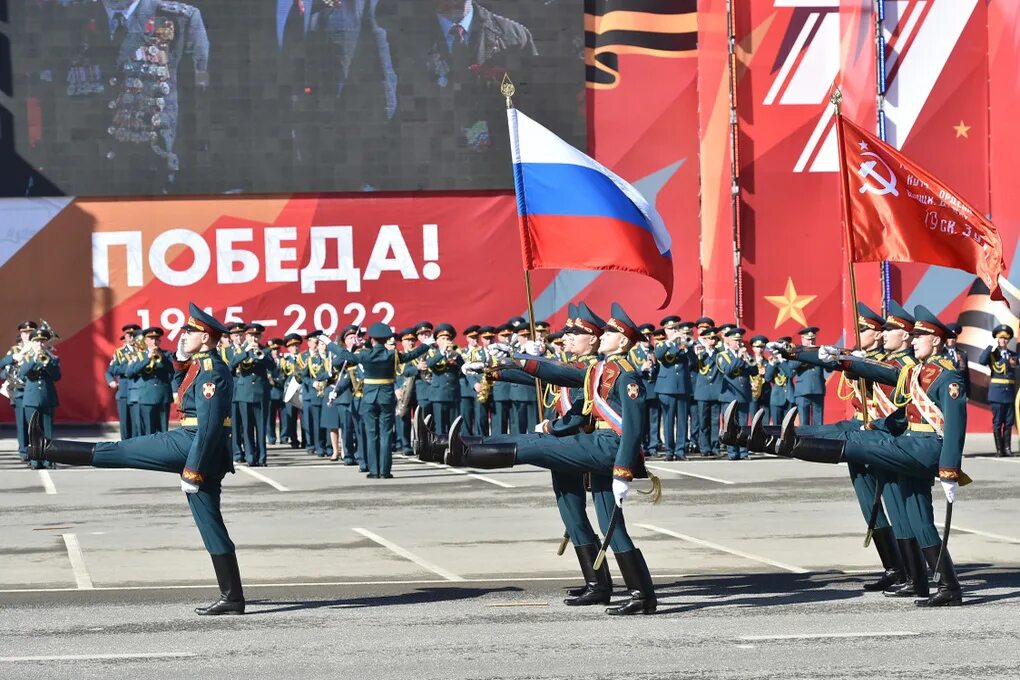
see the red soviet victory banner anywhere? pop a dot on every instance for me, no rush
(896, 211)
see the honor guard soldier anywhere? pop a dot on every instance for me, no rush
(735, 366)
(760, 387)
(778, 373)
(39, 370)
(277, 381)
(252, 396)
(922, 440)
(198, 451)
(423, 382)
(13, 383)
(673, 387)
(502, 404)
(232, 355)
(444, 364)
(378, 399)
(958, 356)
(116, 378)
(1001, 362)
(611, 453)
(290, 417)
(809, 383)
(153, 371)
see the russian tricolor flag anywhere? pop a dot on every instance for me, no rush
(577, 214)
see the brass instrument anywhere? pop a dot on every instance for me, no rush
(758, 378)
(12, 381)
(404, 395)
(484, 389)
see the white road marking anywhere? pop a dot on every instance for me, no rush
(261, 477)
(986, 534)
(731, 551)
(825, 636)
(408, 555)
(303, 584)
(688, 474)
(469, 473)
(998, 460)
(99, 657)
(47, 482)
(74, 554)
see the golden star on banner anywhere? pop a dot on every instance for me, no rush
(961, 130)
(791, 305)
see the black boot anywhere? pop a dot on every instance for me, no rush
(811, 449)
(917, 571)
(639, 583)
(758, 438)
(56, 450)
(1007, 442)
(475, 452)
(598, 586)
(895, 573)
(729, 428)
(231, 595)
(424, 443)
(997, 435)
(949, 593)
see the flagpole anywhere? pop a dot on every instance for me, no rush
(507, 89)
(837, 101)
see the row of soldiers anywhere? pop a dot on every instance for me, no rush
(30, 370)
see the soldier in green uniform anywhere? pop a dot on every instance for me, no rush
(152, 370)
(502, 405)
(15, 386)
(642, 355)
(198, 451)
(1001, 362)
(116, 379)
(705, 389)
(276, 428)
(674, 358)
(923, 439)
(135, 383)
(252, 393)
(423, 378)
(39, 370)
(611, 452)
(232, 355)
(809, 383)
(317, 375)
(403, 389)
(290, 415)
(760, 387)
(466, 405)
(444, 362)
(378, 397)
(778, 372)
(524, 415)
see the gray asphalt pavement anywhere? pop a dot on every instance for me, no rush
(440, 574)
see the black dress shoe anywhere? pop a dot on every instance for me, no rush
(371, 476)
(221, 606)
(387, 476)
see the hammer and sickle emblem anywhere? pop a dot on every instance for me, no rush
(867, 171)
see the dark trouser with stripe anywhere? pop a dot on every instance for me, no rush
(168, 452)
(481, 418)
(151, 418)
(378, 420)
(444, 413)
(1003, 416)
(253, 421)
(351, 450)
(501, 417)
(20, 424)
(276, 411)
(811, 409)
(124, 416)
(136, 418)
(236, 432)
(46, 418)
(402, 431)
(467, 412)
(313, 429)
(674, 423)
(776, 413)
(708, 418)
(653, 411)
(525, 416)
(734, 452)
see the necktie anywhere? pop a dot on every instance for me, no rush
(459, 48)
(294, 26)
(118, 27)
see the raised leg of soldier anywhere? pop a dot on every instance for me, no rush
(628, 558)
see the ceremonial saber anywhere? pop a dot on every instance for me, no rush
(601, 557)
(875, 507)
(563, 544)
(945, 539)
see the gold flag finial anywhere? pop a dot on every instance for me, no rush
(507, 89)
(836, 99)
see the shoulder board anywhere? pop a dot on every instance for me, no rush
(176, 8)
(908, 360)
(625, 364)
(945, 363)
(207, 364)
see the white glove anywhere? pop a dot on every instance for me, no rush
(950, 489)
(113, 383)
(534, 348)
(188, 487)
(472, 367)
(181, 354)
(773, 346)
(620, 491)
(500, 350)
(859, 353)
(540, 428)
(430, 340)
(828, 353)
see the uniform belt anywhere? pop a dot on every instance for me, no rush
(920, 427)
(602, 425)
(1003, 381)
(192, 421)
(379, 381)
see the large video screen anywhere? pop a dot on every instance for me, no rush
(154, 97)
